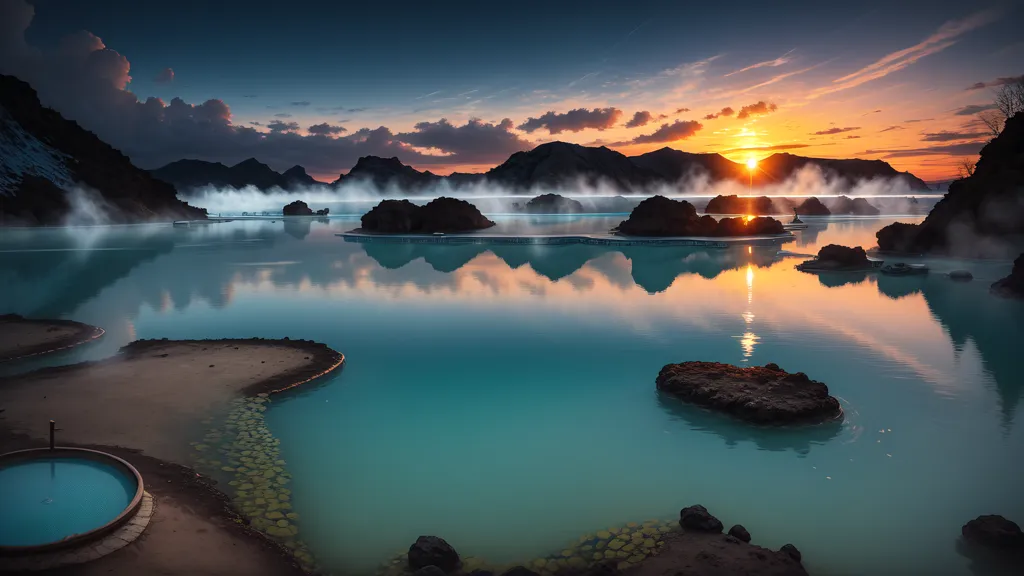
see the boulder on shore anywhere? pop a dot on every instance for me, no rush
(433, 551)
(760, 395)
(1013, 285)
(837, 258)
(553, 204)
(994, 532)
(698, 518)
(297, 208)
(439, 215)
(660, 216)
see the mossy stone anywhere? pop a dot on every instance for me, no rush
(586, 548)
(540, 563)
(638, 557)
(649, 543)
(274, 515)
(600, 544)
(598, 555)
(227, 468)
(631, 524)
(292, 515)
(616, 544)
(629, 547)
(604, 535)
(283, 523)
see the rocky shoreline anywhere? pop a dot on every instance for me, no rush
(22, 337)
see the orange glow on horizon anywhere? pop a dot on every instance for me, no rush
(751, 164)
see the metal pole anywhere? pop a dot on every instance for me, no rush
(51, 435)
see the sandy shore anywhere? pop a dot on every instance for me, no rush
(21, 337)
(142, 405)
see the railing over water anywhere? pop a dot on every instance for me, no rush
(561, 240)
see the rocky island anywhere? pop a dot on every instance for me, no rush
(1013, 285)
(756, 206)
(553, 204)
(660, 216)
(300, 208)
(836, 258)
(982, 215)
(445, 215)
(760, 395)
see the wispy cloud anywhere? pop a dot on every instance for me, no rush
(997, 82)
(434, 93)
(835, 131)
(582, 78)
(891, 128)
(784, 59)
(952, 136)
(972, 109)
(773, 80)
(301, 104)
(963, 149)
(943, 38)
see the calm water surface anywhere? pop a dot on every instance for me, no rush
(504, 399)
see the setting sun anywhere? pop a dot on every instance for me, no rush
(751, 164)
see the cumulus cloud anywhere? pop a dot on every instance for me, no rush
(325, 129)
(279, 126)
(759, 108)
(475, 142)
(643, 118)
(678, 130)
(835, 130)
(997, 82)
(166, 76)
(972, 109)
(945, 136)
(573, 121)
(727, 111)
(86, 81)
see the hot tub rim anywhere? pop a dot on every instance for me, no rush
(91, 535)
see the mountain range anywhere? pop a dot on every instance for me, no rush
(548, 165)
(43, 156)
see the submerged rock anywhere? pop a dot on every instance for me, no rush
(994, 531)
(1013, 285)
(297, 208)
(837, 258)
(961, 275)
(760, 395)
(699, 519)
(740, 533)
(433, 551)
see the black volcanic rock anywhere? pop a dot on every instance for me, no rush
(845, 205)
(759, 206)
(660, 216)
(561, 163)
(42, 154)
(979, 212)
(995, 532)
(385, 172)
(296, 176)
(297, 208)
(1013, 285)
(767, 395)
(780, 166)
(433, 551)
(553, 204)
(812, 207)
(674, 165)
(698, 519)
(837, 258)
(743, 227)
(439, 215)
(740, 533)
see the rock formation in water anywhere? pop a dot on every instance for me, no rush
(981, 215)
(297, 208)
(994, 532)
(433, 551)
(553, 204)
(847, 206)
(186, 175)
(761, 395)
(753, 206)
(836, 258)
(1013, 285)
(439, 215)
(660, 216)
(812, 207)
(43, 156)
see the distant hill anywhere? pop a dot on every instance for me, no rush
(671, 164)
(780, 166)
(384, 172)
(558, 163)
(42, 154)
(187, 174)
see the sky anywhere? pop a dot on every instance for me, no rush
(460, 86)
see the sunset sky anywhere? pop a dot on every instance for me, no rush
(462, 85)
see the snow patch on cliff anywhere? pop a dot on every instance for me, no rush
(21, 154)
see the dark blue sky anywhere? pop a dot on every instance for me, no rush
(394, 64)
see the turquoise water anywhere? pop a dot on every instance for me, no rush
(504, 399)
(44, 501)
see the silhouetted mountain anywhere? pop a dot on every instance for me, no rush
(558, 163)
(672, 165)
(981, 215)
(187, 174)
(384, 172)
(780, 166)
(42, 155)
(457, 179)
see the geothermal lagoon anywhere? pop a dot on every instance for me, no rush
(503, 397)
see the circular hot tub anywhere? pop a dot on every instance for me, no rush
(64, 497)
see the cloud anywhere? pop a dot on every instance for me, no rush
(279, 126)
(678, 130)
(254, 123)
(475, 142)
(947, 35)
(166, 76)
(890, 128)
(872, 112)
(852, 136)
(772, 148)
(642, 118)
(282, 115)
(757, 109)
(301, 104)
(681, 110)
(963, 149)
(325, 129)
(951, 136)
(835, 130)
(249, 96)
(972, 109)
(997, 82)
(573, 120)
(727, 111)
(784, 59)
(917, 120)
